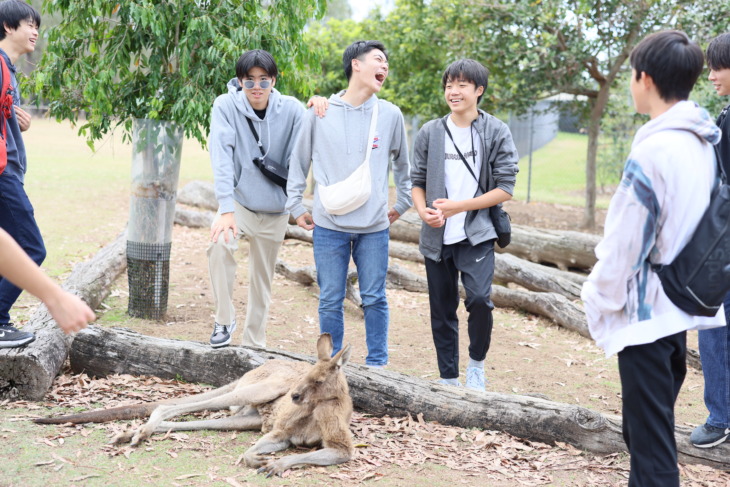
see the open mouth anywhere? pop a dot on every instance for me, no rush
(380, 77)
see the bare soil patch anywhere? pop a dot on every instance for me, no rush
(528, 355)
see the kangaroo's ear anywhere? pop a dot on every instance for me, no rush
(324, 346)
(343, 356)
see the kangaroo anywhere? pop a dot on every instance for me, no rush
(294, 403)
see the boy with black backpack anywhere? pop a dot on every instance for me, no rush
(464, 165)
(663, 194)
(715, 343)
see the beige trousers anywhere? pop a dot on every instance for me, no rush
(265, 232)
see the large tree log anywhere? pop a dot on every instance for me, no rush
(508, 268)
(564, 249)
(100, 352)
(27, 372)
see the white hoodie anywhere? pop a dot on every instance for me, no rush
(664, 191)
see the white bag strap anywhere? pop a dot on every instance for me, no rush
(371, 135)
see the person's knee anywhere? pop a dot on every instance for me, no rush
(479, 302)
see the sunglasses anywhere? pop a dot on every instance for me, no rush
(263, 84)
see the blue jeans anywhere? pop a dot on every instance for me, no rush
(715, 357)
(332, 251)
(17, 218)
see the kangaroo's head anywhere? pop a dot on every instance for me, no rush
(325, 380)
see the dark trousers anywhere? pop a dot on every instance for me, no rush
(476, 265)
(651, 376)
(17, 218)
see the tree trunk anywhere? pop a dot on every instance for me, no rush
(100, 352)
(27, 372)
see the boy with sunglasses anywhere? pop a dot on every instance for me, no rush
(251, 124)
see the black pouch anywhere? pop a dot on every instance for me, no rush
(502, 225)
(273, 171)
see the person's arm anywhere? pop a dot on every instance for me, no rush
(505, 175)
(419, 167)
(320, 104)
(300, 162)
(23, 118)
(401, 171)
(629, 237)
(222, 142)
(69, 311)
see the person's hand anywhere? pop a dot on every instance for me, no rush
(69, 311)
(393, 215)
(448, 207)
(225, 222)
(320, 104)
(23, 118)
(305, 221)
(432, 217)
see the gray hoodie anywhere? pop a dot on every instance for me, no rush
(233, 147)
(427, 173)
(336, 145)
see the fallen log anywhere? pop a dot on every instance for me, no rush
(563, 249)
(27, 372)
(193, 218)
(101, 352)
(508, 268)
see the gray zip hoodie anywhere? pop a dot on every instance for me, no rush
(233, 147)
(498, 153)
(336, 145)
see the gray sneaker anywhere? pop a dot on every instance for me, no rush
(222, 334)
(11, 337)
(707, 436)
(475, 378)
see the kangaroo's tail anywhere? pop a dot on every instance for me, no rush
(122, 412)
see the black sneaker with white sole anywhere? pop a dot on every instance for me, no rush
(707, 436)
(11, 337)
(222, 335)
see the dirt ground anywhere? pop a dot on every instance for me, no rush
(528, 355)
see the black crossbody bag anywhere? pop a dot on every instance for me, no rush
(274, 171)
(500, 218)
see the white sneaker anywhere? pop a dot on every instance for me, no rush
(475, 378)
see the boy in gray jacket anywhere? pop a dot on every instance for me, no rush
(336, 146)
(463, 164)
(250, 203)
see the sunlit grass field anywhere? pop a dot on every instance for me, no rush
(558, 173)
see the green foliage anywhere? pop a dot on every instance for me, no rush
(164, 60)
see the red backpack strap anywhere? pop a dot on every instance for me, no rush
(6, 91)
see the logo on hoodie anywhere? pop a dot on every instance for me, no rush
(376, 139)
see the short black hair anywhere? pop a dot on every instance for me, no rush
(12, 12)
(672, 60)
(718, 52)
(357, 50)
(467, 70)
(256, 58)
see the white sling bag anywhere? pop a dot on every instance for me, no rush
(351, 193)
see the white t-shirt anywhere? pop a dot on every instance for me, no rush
(460, 184)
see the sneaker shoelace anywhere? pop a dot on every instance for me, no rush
(219, 329)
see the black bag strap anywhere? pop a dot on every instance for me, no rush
(463, 159)
(721, 120)
(256, 136)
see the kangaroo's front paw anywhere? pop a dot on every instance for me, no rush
(123, 437)
(273, 467)
(141, 435)
(255, 460)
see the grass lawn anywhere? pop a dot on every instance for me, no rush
(558, 173)
(81, 197)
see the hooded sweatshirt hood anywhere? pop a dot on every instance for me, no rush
(233, 147)
(684, 115)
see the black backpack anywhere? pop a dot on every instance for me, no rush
(699, 277)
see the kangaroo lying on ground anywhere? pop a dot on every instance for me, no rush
(294, 403)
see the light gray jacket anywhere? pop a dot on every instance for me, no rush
(233, 147)
(427, 172)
